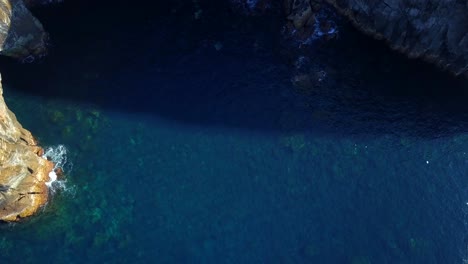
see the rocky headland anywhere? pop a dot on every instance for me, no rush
(23, 171)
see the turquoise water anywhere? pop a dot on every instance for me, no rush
(179, 153)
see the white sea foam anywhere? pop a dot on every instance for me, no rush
(58, 155)
(52, 178)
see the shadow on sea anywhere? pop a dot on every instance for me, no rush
(229, 70)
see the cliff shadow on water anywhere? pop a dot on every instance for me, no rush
(206, 64)
(143, 188)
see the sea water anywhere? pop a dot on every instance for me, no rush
(177, 149)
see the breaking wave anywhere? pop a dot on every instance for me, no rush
(58, 155)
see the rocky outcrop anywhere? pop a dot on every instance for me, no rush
(21, 34)
(23, 172)
(435, 30)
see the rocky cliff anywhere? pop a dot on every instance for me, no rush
(21, 34)
(435, 30)
(23, 172)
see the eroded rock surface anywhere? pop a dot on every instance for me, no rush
(23, 172)
(436, 30)
(21, 34)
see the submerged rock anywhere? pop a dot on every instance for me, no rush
(23, 172)
(435, 30)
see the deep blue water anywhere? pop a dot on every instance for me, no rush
(181, 153)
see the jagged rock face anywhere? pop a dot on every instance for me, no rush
(21, 34)
(436, 30)
(23, 172)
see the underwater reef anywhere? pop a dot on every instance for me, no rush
(24, 172)
(434, 30)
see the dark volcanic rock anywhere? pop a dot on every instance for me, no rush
(436, 30)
